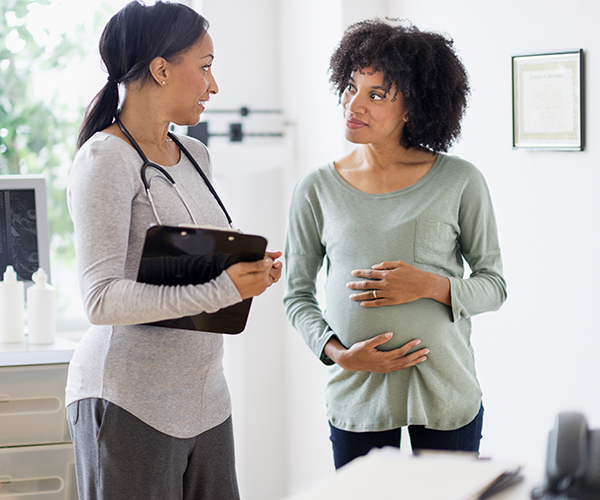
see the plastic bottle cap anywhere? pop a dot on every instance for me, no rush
(9, 275)
(40, 277)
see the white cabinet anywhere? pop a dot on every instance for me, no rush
(32, 405)
(38, 472)
(36, 453)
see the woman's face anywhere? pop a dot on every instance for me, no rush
(373, 115)
(191, 82)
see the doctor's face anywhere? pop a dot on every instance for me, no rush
(191, 82)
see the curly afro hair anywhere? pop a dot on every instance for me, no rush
(421, 65)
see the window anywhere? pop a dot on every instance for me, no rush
(50, 70)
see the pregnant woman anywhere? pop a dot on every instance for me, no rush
(394, 221)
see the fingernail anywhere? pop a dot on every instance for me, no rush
(417, 342)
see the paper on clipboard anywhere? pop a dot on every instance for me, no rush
(179, 255)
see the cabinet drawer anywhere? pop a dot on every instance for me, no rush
(38, 472)
(32, 405)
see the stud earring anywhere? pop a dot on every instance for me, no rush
(163, 82)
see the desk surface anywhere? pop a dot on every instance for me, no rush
(386, 475)
(24, 353)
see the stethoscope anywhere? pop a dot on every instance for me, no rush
(147, 164)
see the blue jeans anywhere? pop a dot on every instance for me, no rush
(349, 445)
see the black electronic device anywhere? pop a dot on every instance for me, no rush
(572, 462)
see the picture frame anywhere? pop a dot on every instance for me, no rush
(548, 101)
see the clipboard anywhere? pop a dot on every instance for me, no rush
(181, 255)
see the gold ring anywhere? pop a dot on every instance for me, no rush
(374, 294)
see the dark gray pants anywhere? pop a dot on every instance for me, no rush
(117, 456)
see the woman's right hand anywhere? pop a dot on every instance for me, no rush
(364, 356)
(251, 278)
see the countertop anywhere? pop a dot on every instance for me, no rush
(24, 353)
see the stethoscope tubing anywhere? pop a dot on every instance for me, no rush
(149, 164)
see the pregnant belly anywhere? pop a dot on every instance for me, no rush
(424, 319)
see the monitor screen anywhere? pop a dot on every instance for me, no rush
(24, 232)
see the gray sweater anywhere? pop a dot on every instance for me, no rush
(434, 224)
(171, 379)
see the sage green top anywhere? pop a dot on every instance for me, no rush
(436, 224)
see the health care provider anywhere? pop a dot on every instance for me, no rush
(394, 221)
(148, 407)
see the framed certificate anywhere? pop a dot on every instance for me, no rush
(548, 101)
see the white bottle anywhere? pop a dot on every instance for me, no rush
(40, 310)
(12, 308)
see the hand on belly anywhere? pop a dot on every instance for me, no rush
(396, 282)
(364, 355)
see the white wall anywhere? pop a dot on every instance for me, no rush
(536, 356)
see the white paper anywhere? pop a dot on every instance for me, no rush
(389, 475)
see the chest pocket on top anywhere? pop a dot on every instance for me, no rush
(435, 243)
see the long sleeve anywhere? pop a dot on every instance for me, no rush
(485, 289)
(304, 256)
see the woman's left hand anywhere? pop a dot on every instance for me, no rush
(275, 271)
(396, 282)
